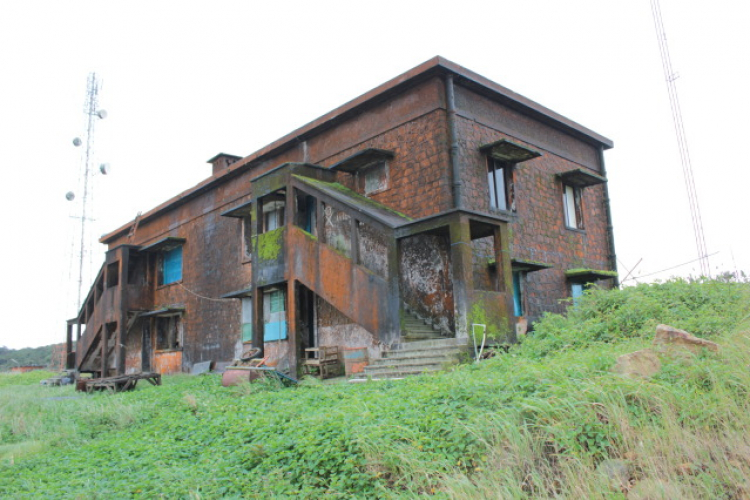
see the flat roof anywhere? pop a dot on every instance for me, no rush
(437, 66)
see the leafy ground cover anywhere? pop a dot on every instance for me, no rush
(547, 419)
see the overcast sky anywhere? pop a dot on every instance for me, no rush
(183, 81)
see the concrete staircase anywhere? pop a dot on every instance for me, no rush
(415, 357)
(416, 329)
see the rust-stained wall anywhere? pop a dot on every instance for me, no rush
(413, 124)
(373, 249)
(335, 329)
(426, 278)
(166, 362)
(537, 230)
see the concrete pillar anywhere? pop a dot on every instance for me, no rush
(461, 266)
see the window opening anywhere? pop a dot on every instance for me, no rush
(576, 291)
(306, 212)
(375, 178)
(572, 207)
(274, 316)
(113, 274)
(500, 181)
(518, 293)
(168, 333)
(273, 211)
(170, 266)
(247, 236)
(247, 319)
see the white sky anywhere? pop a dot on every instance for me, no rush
(183, 81)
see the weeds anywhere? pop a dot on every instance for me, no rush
(547, 419)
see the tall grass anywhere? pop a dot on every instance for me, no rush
(546, 420)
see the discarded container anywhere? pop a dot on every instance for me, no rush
(234, 375)
(355, 359)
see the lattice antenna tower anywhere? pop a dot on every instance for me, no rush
(92, 114)
(687, 169)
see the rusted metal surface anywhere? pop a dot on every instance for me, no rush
(168, 362)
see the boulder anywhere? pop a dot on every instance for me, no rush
(638, 364)
(669, 338)
(617, 473)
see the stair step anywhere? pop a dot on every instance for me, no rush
(402, 369)
(417, 336)
(423, 328)
(416, 360)
(417, 353)
(429, 344)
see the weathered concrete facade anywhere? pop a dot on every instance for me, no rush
(335, 232)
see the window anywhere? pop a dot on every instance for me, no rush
(500, 181)
(306, 213)
(375, 178)
(277, 301)
(273, 213)
(247, 236)
(274, 315)
(572, 207)
(247, 319)
(170, 266)
(518, 293)
(168, 332)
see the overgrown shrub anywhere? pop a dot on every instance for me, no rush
(703, 307)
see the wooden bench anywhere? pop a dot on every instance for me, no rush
(324, 358)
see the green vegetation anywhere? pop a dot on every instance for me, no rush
(269, 244)
(29, 356)
(547, 419)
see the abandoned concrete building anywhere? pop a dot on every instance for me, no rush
(439, 199)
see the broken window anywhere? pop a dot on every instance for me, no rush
(113, 274)
(170, 266)
(572, 207)
(374, 178)
(136, 269)
(306, 212)
(168, 332)
(501, 186)
(273, 211)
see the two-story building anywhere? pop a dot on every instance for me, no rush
(439, 195)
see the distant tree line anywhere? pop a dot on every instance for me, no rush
(23, 357)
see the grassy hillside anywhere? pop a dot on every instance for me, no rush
(547, 419)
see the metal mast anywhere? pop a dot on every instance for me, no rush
(687, 168)
(92, 114)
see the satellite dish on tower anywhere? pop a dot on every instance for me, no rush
(70, 196)
(101, 114)
(104, 168)
(77, 142)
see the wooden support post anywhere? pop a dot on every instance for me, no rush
(105, 342)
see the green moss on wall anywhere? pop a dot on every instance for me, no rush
(268, 245)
